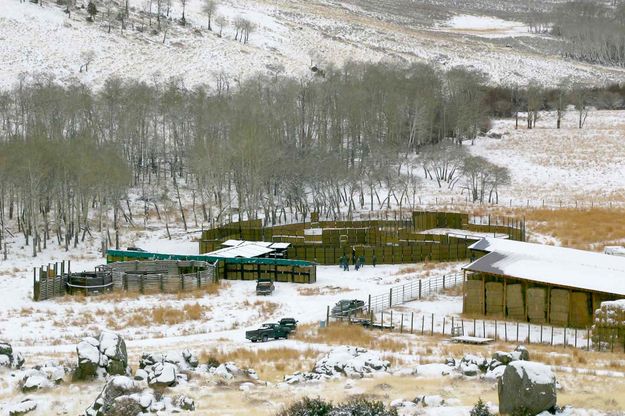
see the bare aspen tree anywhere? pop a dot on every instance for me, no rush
(209, 7)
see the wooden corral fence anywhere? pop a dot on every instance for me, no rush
(391, 241)
(140, 277)
(161, 276)
(280, 270)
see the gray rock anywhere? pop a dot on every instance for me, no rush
(10, 358)
(451, 361)
(141, 375)
(105, 355)
(470, 365)
(116, 387)
(521, 353)
(163, 375)
(21, 408)
(185, 403)
(526, 387)
(113, 347)
(6, 349)
(504, 358)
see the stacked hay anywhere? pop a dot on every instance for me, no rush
(560, 300)
(580, 311)
(494, 298)
(514, 302)
(537, 305)
(474, 297)
(609, 323)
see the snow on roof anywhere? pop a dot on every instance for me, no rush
(247, 249)
(232, 243)
(453, 232)
(551, 265)
(280, 246)
(237, 243)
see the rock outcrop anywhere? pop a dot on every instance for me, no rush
(526, 388)
(106, 355)
(10, 358)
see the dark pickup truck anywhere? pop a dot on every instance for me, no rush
(264, 287)
(267, 332)
(347, 307)
(288, 323)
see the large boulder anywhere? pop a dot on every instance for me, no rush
(351, 362)
(184, 360)
(471, 365)
(21, 408)
(123, 396)
(106, 355)
(113, 347)
(166, 370)
(10, 358)
(43, 376)
(526, 387)
(163, 375)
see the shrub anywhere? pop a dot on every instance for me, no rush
(125, 406)
(308, 407)
(480, 409)
(363, 407)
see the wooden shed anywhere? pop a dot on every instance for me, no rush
(539, 283)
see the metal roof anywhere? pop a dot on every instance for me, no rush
(246, 250)
(559, 266)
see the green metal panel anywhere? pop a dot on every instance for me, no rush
(117, 255)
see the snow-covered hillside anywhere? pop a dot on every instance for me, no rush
(288, 37)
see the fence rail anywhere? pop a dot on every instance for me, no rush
(507, 331)
(412, 291)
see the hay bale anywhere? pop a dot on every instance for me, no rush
(514, 302)
(537, 305)
(609, 323)
(560, 300)
(494, 298)
(580, 313)
(474, 297)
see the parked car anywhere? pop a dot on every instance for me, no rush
(289, 323)
(264, 287)
(136, 249)
(347, 307)
(268, 331)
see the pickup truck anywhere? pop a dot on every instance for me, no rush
(268, 331)
(264, 287)
(347, 307)
(288, 323)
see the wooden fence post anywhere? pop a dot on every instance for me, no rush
(411, 321)
(422, 323)
(419, 288)
(401, 326)
(390, 298)
(432, 331)
(328, 316)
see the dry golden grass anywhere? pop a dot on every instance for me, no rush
(356, 335)
(118, 318)
(588, 229)
(271, 364)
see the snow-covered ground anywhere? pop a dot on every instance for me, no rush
(567, 164)
(485, 26)
(289, 37)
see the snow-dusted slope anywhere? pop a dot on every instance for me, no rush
(289, 36)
